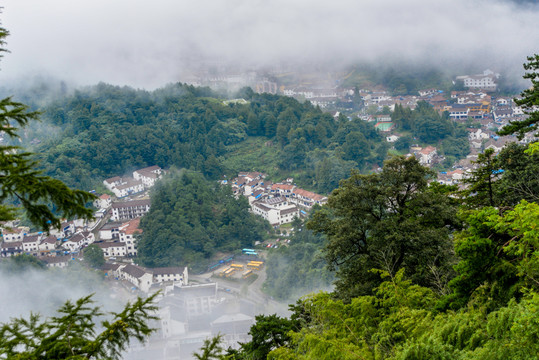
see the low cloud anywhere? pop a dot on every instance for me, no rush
(146, 44)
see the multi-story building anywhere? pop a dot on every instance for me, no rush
(130, 209)
(113, 249)
(127, 232)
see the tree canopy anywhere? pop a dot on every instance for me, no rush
(191, 218)
(388, 220)
(529, 100)
(73, 334)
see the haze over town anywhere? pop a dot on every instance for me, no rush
(134, 43)
(209, 195)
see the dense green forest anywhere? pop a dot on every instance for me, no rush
(108, 130)
(191, 219)
(426, 126)
(422, 271)
(105, 131)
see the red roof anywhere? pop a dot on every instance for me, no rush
(282, 187)
(309, 194)
(428, 150)
(131, 227)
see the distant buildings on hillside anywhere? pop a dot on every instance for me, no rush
(278, 203)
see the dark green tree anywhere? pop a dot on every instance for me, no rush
(520, 177)
(390, 220)
(529, 100)
(480, 189)
(21, 263)
(268, 333)
(192, 218)
(404, 143)
(211, 349)
(73, 334)
(93, 255)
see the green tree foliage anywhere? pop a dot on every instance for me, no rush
(399, 322)
(329, 170)
(404, 143)
(108, 131)
(73, 334)
(499, 256)
(426, 125)
(211, 349)
(505, 179)
(529, 101)
(481, 185)
(388, 220)
(93, 255)
(45, 200)
(520, 177)
(268, 333)
(399, 78)
(191, 219)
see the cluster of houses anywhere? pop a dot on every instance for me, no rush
(117, 237)
(279, 203)
(67, 242)
(140, 180)
(69, 239)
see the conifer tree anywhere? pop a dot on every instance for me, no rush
(44, 199)
(73, 333)
(529, 101)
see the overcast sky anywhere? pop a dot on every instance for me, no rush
(147, 44)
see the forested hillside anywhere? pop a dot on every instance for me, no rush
(109, 130)
(191, 219)
(428, 126)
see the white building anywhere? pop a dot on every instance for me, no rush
(14, 234)
(307, 199)
(426, 155)
(128, 187)
(113, 249)
(137, 276)
(178, 274)
(56, 261)
(103, 201)
(48, 243)
(11, 248)
(130, 209)
(277, 211)
(485, 81)
(127, 233)
(78, 241)
(148, 176)
(30, 243)
(110, 231)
